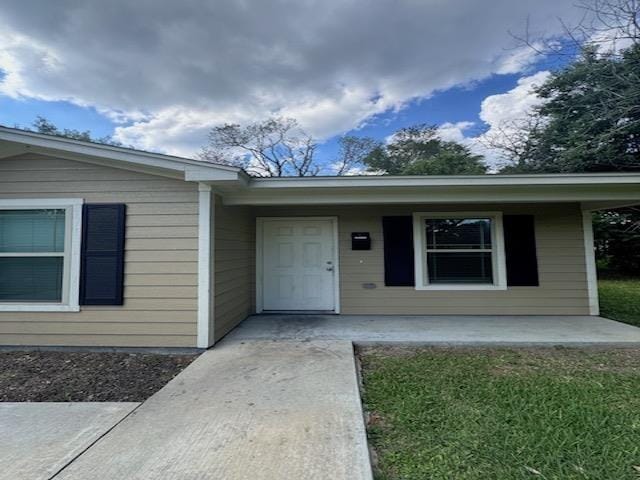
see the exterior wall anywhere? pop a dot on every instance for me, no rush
(561, 264)
(161, 260)
(161, 254)
(234, 266)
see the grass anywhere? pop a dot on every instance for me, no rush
(620, 299)
(499, 414)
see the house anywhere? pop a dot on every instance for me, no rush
(107, 246)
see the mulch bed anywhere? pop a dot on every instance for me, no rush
(50, 376)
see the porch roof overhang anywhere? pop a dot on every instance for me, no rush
(16, 142)
(594, 191)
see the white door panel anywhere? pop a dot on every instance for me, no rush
(298, 264)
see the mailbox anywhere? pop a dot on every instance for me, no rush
(360, 241)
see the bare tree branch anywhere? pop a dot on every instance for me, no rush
(272, 148)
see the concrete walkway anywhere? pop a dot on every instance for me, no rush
(277, 399)
(38, 439)
(244, 410)
(434, 330)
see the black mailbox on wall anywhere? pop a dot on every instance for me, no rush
(360, 241)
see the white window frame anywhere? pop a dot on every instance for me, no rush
(71, 262)
(497, 252)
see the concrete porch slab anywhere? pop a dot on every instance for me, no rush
(39, 439)
(433, 330)
(243, 411)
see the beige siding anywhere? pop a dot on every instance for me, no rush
(233, 266)
(563, 283)
(160, 260)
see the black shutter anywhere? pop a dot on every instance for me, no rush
(398, 251)
(102, 262)
(520, 250)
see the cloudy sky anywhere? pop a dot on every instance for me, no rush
(157, 74)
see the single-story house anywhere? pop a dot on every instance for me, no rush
(108, 246)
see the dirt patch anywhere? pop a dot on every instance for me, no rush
(85, 376)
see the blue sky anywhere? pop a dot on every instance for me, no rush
(453, 105)
(456, 104)
(158, 78)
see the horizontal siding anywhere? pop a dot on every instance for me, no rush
(91, 340)
(233, 266)
(561, 263)
(96, 328)
(160, 256)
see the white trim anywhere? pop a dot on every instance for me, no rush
(112, 152)
(590, 261)
(379, 194)
(259, 255)
(336, 265)
(498, 254)
(443, 180)
(29, 203)
(260, 252)
(71, 254)
(205, 329)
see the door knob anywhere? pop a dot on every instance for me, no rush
(329, 269)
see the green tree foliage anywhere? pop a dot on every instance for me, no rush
(591, 119)
(590, 122)
(617, 240)
(418, 150)
(42, 125)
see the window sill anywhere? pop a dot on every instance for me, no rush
(36, 307)
(447, 287)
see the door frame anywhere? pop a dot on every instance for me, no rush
(260, 221)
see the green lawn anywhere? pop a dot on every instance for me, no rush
(620, 300)
(462, 414)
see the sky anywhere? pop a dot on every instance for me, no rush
(158, 74)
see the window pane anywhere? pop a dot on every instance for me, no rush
(472, 267)
(33, 279)
(31, 231)
(462, 233)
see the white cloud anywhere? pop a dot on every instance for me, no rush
(166, 71)
(515, 104)
(454, 132)
(503, 113)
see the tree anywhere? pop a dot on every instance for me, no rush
(42, 125)
(278, 147)
(352, 152)
(418, 150)
(589, 120)
(617, 240)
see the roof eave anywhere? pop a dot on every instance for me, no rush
(20, 141)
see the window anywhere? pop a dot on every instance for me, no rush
(459, 251)
(39, 254)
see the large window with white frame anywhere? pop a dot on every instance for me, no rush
(39, 254)
(459, 251)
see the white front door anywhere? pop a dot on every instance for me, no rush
(298, 264)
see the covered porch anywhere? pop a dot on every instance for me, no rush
(358, 246)
(489, 330)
